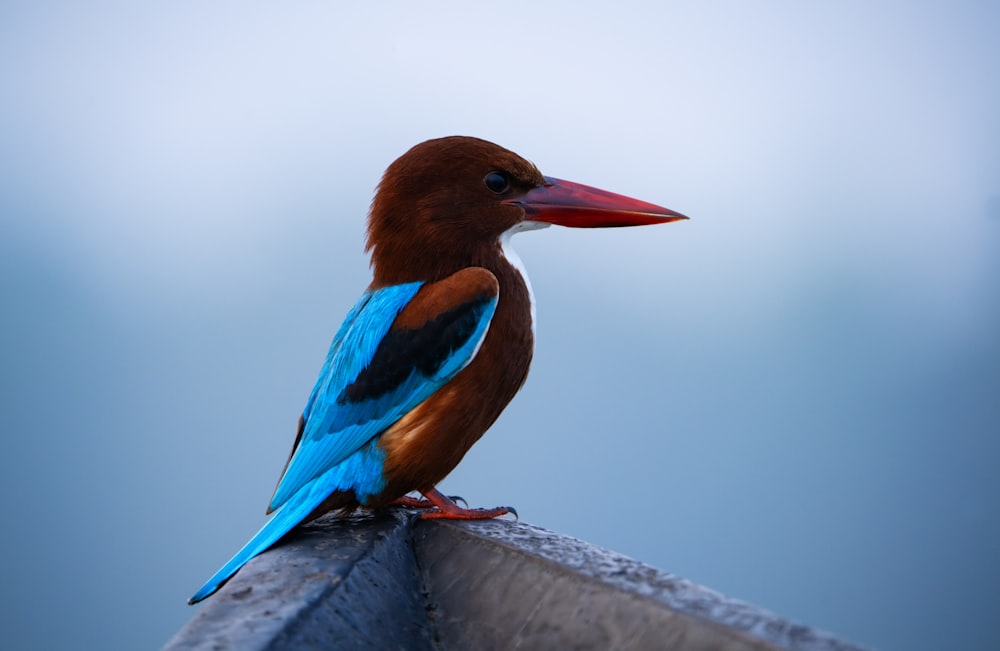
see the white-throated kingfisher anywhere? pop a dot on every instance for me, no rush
(440, 341)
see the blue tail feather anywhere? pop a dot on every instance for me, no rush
(281, 522)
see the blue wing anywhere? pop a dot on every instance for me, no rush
(372, 376)
(320, 447)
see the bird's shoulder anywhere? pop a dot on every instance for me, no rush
(465, 286)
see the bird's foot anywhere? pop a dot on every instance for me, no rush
(410, 502)
(446, 509)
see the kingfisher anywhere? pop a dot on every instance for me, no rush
(440, 341)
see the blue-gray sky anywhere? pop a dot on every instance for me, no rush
(793, 398)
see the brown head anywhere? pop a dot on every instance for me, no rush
(433, 209)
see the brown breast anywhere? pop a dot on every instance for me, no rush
(429, 441)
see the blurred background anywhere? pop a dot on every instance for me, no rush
(793, 398)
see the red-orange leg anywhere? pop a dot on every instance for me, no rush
(448, 510)
(410, 502)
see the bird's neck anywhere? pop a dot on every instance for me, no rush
(398, 266)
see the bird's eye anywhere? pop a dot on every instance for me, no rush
(496, 182)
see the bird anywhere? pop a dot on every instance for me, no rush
(440, 341)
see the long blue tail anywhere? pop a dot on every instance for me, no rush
(283, 520)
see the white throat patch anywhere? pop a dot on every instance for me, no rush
(515, 260)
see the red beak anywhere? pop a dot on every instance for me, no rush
(571, 204)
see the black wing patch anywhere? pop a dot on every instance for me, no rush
(423, 349)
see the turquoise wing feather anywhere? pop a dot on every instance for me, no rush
(371, 377)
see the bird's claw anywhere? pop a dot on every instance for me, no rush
(458, 513)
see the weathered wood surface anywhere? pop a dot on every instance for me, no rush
(389, 581)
